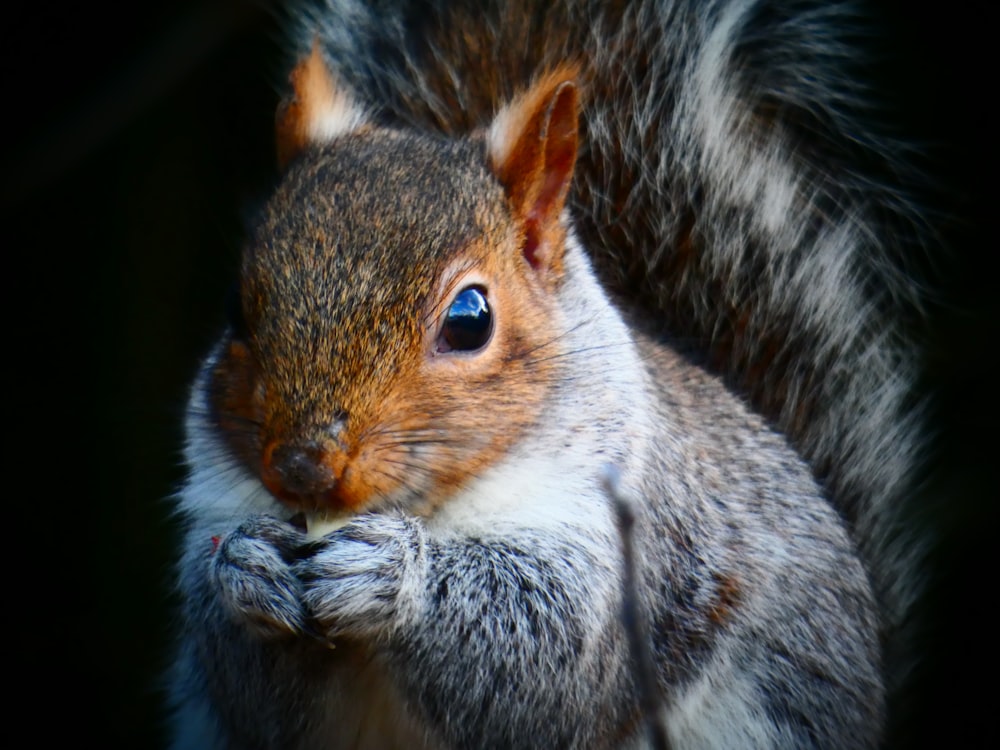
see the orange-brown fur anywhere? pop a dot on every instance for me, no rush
(423, 391)
(484, 588)
(313, 90)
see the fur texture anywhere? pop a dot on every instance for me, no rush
(727, 196)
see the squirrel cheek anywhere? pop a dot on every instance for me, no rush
(235, 398)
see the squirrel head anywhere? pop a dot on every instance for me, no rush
(397, 327)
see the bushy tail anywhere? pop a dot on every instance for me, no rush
(730, 188)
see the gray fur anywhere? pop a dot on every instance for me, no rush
(720, 199)
(698, 111)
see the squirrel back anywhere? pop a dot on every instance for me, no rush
(514, 245)
(734, 193)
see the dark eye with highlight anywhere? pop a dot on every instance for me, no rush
(468, 324)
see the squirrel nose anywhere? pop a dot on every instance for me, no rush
(296, 471)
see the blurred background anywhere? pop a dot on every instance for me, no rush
(139, 138)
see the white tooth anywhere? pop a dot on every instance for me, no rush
(320, 525)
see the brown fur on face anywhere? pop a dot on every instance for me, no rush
(345, 287)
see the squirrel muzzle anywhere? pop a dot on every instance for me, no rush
(307, 475)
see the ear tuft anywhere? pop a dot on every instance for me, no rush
(532, 150)
(319, 109)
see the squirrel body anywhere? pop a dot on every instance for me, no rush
(434, 342)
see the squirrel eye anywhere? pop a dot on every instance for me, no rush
(468, 324)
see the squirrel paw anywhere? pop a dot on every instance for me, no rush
(251, 569)
(367, 578)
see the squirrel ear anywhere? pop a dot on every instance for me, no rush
(318, 109)
(532, 150)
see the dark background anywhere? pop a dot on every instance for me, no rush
(139, 136)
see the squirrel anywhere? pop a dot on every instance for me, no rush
(528, 263)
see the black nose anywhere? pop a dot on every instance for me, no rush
(295, 471)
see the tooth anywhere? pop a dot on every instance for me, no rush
(321, 525)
